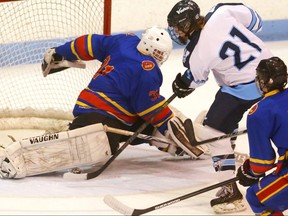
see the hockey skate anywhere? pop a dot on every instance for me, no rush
(229, 200)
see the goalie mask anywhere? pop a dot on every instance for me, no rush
(271, 74)
(157, 43)
(182, 19)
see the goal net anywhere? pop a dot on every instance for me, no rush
(28, 29)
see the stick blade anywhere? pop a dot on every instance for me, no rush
(75, 177)
(117, 205)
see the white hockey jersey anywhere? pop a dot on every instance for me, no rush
(227, 46)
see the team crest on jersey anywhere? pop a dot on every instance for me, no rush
(253, 109)
(154, 95)
(148, 65)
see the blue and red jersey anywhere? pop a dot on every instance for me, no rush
(126, 86)
(267, 125)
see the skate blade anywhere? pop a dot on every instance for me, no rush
(225, 208)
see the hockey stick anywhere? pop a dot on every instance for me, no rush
(192, 139)
(130, 133)
(94, 174)
(240, 157)
(158, 139)
(126, 210)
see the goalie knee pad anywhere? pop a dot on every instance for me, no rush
(55, 152)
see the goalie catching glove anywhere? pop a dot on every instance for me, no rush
(53, 63)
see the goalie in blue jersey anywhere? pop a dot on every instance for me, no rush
(267, 125)
(123, 93)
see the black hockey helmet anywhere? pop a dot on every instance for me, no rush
(272, 74)
(183, 16)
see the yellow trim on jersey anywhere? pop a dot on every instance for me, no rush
(73, 49)
(271, 186)
(271, 93)
(84, 105)
(161, 123)
(89, 45)
(266, 213)
(282, 157)
(259, 161)
(115, 104)
(152, 108)
(87, 106)
(116, 117)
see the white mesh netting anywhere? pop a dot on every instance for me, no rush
(28, 29)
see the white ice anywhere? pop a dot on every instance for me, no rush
(140, 177)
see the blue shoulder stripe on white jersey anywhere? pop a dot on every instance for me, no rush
(255, 17)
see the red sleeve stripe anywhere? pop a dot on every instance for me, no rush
(261, 169)
(272, 189)
(166, 113)
(82, 48)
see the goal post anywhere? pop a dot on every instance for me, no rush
(28, 29)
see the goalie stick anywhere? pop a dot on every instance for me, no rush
(94, 174)
(197, 152)
(130, 133)
(192, 139)
(126, 210)
(240, 157)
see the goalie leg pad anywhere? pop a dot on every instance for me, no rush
(219, 147)
(177, 133)
(57, 151)
(12, 164)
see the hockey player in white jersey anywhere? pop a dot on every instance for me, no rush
(224, 43)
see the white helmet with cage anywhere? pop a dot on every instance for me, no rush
(157, 43)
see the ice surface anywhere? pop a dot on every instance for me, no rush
(140, 177)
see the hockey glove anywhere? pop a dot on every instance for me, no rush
(180, 88)
(50, 62)
(246, 178)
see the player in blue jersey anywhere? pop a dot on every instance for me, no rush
(122, 94)
(267, 126)
(224, 43)
(125, 91)
(126, 86)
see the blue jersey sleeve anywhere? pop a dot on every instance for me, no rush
(87, 47)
